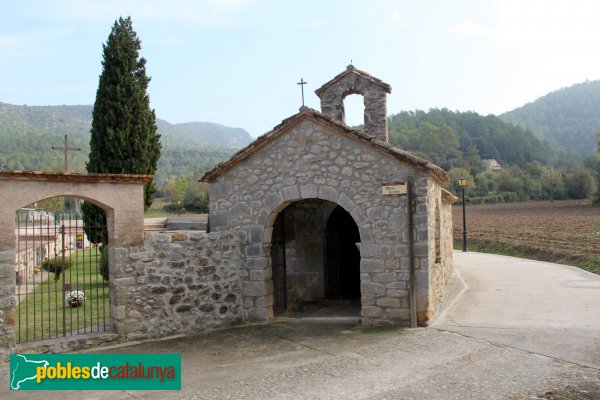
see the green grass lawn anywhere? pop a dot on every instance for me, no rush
(39, 314)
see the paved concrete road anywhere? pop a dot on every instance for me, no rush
(466, 354)
(544, 308)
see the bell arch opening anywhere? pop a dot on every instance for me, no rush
(354, 109)
(315, 261)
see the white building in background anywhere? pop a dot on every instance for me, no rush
(31, 253)
(35, 215)
(38, 241)
(491, 165)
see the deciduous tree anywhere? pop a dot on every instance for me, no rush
(579, 183)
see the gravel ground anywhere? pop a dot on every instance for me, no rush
(299, 360)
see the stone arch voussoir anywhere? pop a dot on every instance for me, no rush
(312, 191)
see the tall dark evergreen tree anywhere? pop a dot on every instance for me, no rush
(124, 133)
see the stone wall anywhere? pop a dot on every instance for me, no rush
(305, 225)
(176, 283)
(7, 302)
(447, 237)
(424, 190)
(313, 161)
(440, 245)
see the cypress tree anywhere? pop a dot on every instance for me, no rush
(124, 134)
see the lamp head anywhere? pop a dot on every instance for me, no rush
(463, 181)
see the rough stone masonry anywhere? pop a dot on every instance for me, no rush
(318, 163)
(315, 156)
(354, 81)
(176, 283)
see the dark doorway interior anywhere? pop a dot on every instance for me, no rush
(342, 275)
(315, 261)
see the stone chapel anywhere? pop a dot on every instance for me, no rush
(325, 212)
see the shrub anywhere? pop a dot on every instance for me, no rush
(104, 263)
(55, 265)
(596, 199)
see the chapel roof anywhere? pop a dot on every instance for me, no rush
(402, 155)
(352, 70)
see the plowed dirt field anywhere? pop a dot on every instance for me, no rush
(561, 231)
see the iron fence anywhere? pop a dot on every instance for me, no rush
(61, 288)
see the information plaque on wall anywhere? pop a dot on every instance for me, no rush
(389, 188)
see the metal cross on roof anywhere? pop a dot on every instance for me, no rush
(66, 149)
(302, 83)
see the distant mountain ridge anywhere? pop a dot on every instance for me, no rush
(568, 117)
(206, 134)
(28, 132)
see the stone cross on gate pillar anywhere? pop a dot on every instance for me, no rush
(66, 149)
(302, 83)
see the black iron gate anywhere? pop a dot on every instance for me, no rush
(342, 277)
(332, 276)
(61, 288)
(278, 265)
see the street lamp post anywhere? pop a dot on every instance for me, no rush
(462, 181)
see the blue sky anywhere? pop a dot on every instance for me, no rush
(236, 62)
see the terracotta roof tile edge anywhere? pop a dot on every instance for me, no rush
(449, 196)
(74, 177)
(366, 75)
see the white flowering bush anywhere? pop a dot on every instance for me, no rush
(75, 298)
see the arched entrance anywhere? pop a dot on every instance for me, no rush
(119, 195)
(314, 257)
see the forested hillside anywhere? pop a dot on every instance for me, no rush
(449, 138)
(569, 117)
(28, 132)
(458, 141)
